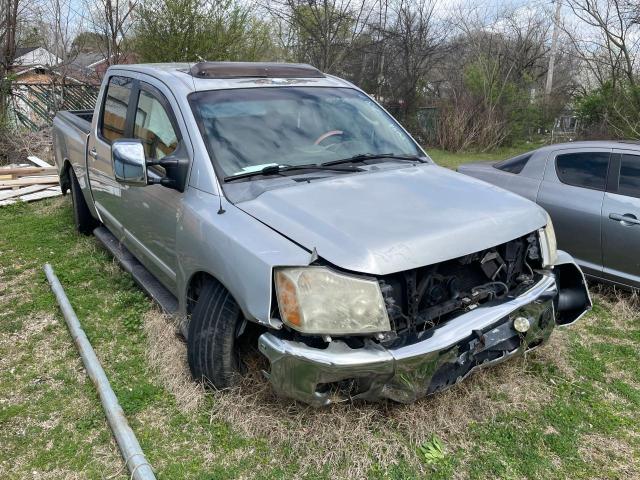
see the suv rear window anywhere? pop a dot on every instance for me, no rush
(584, 169)
(515, 164)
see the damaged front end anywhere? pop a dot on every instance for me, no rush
(446, 321)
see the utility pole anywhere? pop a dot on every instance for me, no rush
(554, 48)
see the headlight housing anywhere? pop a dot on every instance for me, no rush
(548, 246)
(318, 300)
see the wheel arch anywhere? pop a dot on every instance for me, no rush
(192, 293)
(194, 285)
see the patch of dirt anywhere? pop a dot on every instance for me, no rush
(556, 352)
(615, 452)
(16, 288)
(33, 326)
(48, 207)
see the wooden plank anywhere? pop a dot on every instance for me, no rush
(48, 193)
(22, 171)
(20, 182)
(37, 161)
(22, 191)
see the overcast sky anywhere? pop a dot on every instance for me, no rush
(486, 10)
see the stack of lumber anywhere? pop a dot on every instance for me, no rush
(28, 182)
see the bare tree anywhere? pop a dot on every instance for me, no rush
(8, 30)
(321, 32)
(496, 67)
(612, 42)
(11, 13)
(112, 21)
(415, 41)
(607, 43)
(58, 25)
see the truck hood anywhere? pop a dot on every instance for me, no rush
(380, 222)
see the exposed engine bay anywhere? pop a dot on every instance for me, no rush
(446, 321)
(423, 298)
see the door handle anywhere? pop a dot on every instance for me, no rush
(93, 152)
(628, 219)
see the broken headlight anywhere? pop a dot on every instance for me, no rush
(318, 300)
(548, 244)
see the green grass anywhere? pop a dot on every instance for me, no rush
(453, 160)
(568, 411)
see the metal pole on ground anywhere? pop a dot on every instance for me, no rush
(131, 451)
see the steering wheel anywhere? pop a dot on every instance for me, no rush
(326, 135)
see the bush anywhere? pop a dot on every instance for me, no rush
(486, 109)
(16, 144)
(611, 111)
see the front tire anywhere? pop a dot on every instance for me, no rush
(211, 342)
(84, 221)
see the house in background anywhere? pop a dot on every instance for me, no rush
(91, 66)
(40, 85)
(43, 83)
(35, 66)
(30, 56)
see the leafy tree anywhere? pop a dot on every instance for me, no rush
(193, 30)
(610, 110)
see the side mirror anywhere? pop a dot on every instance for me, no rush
(129, 162)
(130, 165)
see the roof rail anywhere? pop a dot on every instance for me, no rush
(254, 69)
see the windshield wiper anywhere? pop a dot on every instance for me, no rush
(361, 157)
(281, 169)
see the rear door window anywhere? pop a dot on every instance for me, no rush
(515, 164)
(583, 169)
(629, 182)
(153, 125)
(114, 114)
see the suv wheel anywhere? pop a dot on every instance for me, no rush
(211, 342)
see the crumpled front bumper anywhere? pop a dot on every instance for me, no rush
(436, 359)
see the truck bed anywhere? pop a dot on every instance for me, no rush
(81, 119)
(71, 130)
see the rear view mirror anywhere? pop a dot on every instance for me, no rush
(129, 162)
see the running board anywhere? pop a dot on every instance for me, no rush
(143, 277)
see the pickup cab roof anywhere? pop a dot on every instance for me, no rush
(190, 77)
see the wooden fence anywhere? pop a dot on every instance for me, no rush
(35, 105)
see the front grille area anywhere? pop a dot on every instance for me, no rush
(422, 298)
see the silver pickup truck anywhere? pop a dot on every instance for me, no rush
(276, 206)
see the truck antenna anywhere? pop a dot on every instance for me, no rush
(193, 82)
(220, 210)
